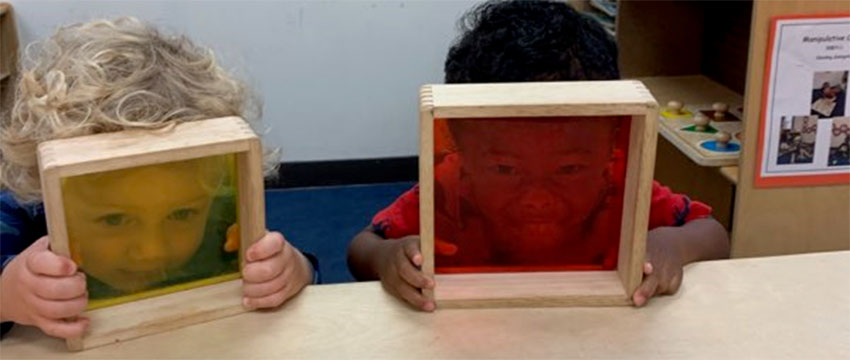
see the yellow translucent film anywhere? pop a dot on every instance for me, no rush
(155, 229)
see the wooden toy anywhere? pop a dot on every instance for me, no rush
(520, 152)
(701, 121)
(694, 134)
(722, 138)
(675, 109)
(720, 110)
(79, 177)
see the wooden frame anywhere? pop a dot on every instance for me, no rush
(549, 99)
(133, 148)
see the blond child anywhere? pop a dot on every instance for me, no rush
(106, 76)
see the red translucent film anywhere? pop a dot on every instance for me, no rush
(529, 194)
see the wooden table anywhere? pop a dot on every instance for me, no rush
(780, 307)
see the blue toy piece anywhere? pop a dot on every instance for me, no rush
(711, 145)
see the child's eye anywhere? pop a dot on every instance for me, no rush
(114, 219)
(182, 214)
(571, 169)
(502, 169)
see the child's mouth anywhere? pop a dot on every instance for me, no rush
(146, 273)
(540, 230)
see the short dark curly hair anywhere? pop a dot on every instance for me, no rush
(514, 41)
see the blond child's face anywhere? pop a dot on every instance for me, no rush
(130, 228)
(535, 182)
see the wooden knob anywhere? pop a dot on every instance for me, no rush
(722, 139)
(720, 110)
(719, 106)
(675, 107)
(701, 121)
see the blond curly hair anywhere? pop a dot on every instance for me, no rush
(111, 75)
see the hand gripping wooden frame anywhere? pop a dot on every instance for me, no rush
(545, 99)
(132, 148)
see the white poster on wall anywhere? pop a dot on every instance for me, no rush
(804, 134)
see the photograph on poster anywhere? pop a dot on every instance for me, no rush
(829, 94)
(797, 137)
(839, 144)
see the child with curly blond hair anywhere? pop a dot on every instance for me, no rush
(107, 76)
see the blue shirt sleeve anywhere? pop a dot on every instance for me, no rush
(20, 226)
(317, 275)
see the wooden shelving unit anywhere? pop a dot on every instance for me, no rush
(701, 52)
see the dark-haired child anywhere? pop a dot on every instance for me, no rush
(517, 41)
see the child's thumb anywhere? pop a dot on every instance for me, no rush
(443, 247)
(42, 244)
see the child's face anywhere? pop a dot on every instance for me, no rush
(831, 92)
(129, 228)
(535, 181)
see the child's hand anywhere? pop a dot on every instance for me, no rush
(663, 267)
(44, 289)
(274, 271)
(400, 273)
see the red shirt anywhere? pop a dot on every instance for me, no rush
(401, 218)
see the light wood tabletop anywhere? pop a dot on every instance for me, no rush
(778, 307)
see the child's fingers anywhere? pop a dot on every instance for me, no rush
(671, 286)
(271, 244)
(49, 264)
(645, 291)
(42, 244)
(60, 309)
(263, 270)
(64, 328)
(443, 247)
(648, 268)
(413, 276)
(262, 289)
(411, 251)
(268, 301)
(59, 288)
(414, 297)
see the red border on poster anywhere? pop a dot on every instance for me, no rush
(795, 180)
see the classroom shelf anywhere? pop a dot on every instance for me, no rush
(730, 173)
(701, 52)
(690, 89)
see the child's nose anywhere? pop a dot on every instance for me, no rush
(149, 247)
(537, 198)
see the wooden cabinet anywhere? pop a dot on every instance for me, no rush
(702, 52)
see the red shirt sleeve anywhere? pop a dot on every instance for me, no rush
(671, 209)
(399, 219)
